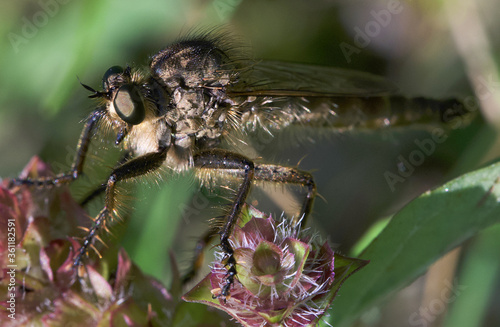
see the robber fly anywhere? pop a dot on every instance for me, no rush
(198, 91)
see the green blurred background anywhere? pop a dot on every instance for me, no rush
(46, 46)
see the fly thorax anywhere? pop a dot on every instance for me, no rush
(195, 114)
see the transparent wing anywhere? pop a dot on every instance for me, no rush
(273, 95)
(276, 78)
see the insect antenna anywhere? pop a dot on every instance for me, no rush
(96, 94)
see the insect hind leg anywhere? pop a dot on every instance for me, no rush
(249, 172)
(221, 159)
(289, 175)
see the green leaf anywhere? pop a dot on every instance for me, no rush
(201, 293)
(481, 260)
(418, 235)
(344, 268)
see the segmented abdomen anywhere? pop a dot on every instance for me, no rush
(345, 113)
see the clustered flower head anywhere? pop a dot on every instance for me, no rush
(285, 276)
(39, 285)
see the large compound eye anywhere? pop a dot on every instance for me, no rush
(129, 104)
(109, 75)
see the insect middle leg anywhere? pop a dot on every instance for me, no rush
(102, 188)
(133, 168)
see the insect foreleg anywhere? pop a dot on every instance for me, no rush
(77, 166)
